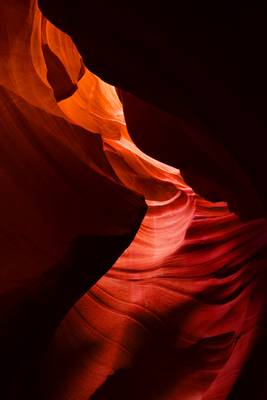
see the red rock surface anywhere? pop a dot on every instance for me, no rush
(118, 281)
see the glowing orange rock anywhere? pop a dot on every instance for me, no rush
(176, 315)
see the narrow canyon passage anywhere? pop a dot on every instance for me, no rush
(119, 279)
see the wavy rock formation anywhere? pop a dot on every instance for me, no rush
(61, 202)
(118, 280)
(202, 63)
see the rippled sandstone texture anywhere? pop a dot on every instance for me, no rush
(204, 66)
(180, 300)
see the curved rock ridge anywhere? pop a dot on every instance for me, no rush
(61, 202)
(195, 70)
(118, 281)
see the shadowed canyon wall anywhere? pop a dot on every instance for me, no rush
(122, 276)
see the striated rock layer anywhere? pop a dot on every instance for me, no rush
(118, 281)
